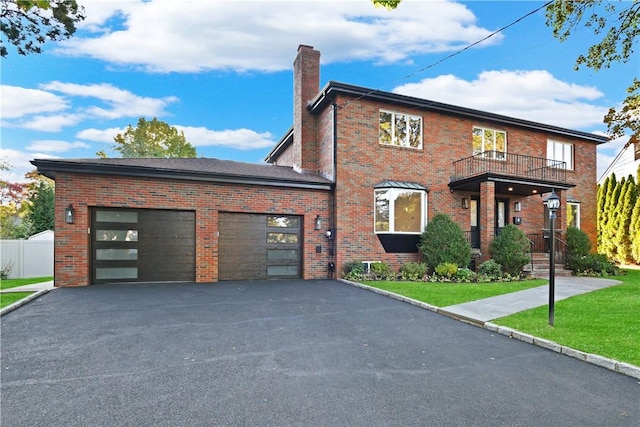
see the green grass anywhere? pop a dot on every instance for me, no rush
(444, 294)
(12, 283)
(604, 322)
(10, 298)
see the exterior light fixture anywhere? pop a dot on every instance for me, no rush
(318, 225)
(69, 214)
(553, 204)
(465, 203)
(329, 234)
(517, 206)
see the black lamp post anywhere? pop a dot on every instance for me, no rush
(553, 203)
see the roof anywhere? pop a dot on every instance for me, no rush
(196, 169)
(401, 184)
(328, 94)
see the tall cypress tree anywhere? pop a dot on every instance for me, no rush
(606, 204)
(622, 237)
(613, 222)
(600, 200)
(634, 226)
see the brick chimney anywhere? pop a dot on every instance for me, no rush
(306, 84)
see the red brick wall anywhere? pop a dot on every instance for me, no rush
(72, 246)
(363, 163)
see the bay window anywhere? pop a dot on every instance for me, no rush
(399, 210)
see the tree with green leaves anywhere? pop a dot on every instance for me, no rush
(28, 24)
(443, 241)
(153, 138)
(613, 224)
(621, 239)
(618, 25)
(41, 212)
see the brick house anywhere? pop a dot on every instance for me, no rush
(356, 177)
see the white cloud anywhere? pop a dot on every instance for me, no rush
(99, 135)
(121, 103)
(167, 35)
(56, 146)
(241, 139)
(18, 102)
(19, 163)
(532, 95)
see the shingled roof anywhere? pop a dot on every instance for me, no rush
(198, 169)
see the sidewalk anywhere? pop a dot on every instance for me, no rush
(34, 287)
(483, 310)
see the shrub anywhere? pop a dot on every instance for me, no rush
(578, 242)
(413, 271)
(353, 270)
(490, 269)
(380, 271)
(510, 249)
(464, 275)
(447, 269)
(592, 265)
(443, 241)
(6, 270)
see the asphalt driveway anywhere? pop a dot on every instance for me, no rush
(283, 353)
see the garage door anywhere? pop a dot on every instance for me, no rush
(259, 246)
(142, 245)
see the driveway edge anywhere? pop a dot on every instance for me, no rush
(594, 359)
(23, 301)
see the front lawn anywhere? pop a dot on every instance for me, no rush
(444, 294)
(11, 297)
(604, 322)
(12, 283)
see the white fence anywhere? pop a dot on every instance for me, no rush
(27, 258)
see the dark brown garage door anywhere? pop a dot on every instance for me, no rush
(142, 245)
(259, 246)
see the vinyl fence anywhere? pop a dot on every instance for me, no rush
(26, 258)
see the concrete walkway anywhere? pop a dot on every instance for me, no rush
(34, 287)
(504, 305)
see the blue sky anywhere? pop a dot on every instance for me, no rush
(221, 71)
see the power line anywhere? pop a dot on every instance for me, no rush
(440, 61)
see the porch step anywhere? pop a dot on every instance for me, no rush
(541, 267)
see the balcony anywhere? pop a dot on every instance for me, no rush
(512, 173)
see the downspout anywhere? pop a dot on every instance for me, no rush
(333, 201)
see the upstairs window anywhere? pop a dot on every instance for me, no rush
(402, 130)
(560, 151)
(400, 210)
(491, 142)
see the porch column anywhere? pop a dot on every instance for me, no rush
(487, 216)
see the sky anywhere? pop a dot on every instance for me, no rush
(221, 71)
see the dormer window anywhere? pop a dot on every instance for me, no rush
(399, 129)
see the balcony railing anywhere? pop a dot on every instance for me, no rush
(516, 165)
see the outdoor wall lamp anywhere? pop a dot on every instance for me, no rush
(329, 234)
(318, 225)
(517, 206)
(553, 204)
(465, 203)
(69, 214)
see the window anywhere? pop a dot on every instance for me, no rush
(400, 129)
(573, 215)
(636, 151)
(560, 151)
(491, 142)
(399, 210)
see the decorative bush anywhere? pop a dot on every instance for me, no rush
(490, 269)
(380, 271)
(464, 275)
(592, 265)
(413, 271)
(447, 269)
(510, 249)
(353, 270)
(578, 242)
(443, 241)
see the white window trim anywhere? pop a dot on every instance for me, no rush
(392, 192)
(393, 133)
(552, 149)
(494, 157)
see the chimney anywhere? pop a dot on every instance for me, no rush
(306, 84)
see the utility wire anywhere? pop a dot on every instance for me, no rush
(440, 61)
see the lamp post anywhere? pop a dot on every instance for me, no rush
(553, 203)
